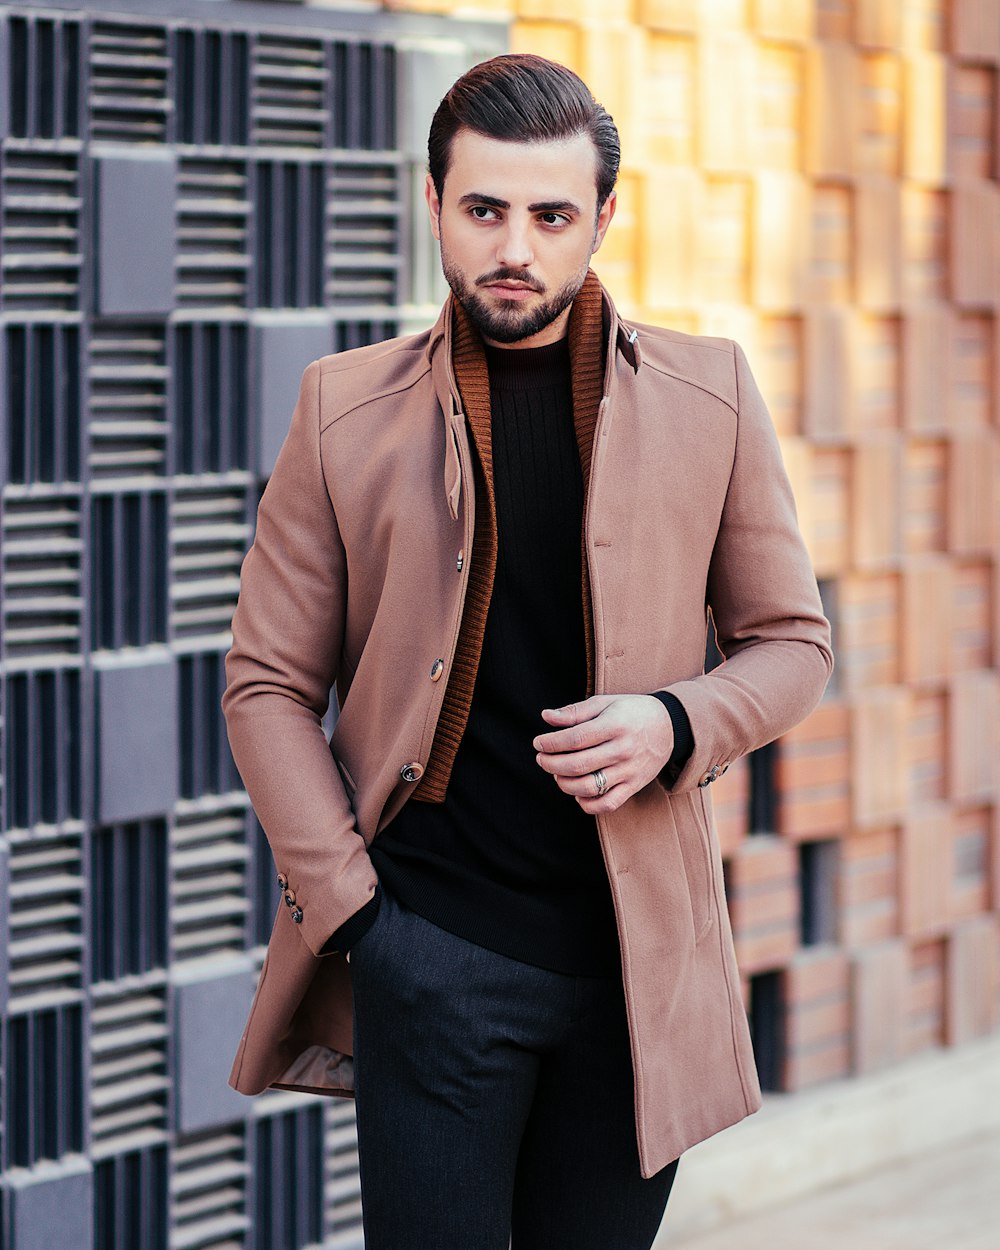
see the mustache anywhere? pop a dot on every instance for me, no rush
(510, 275)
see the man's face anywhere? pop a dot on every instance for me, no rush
(518, 224)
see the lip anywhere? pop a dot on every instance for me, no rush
(511, 290)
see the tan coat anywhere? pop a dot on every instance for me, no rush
(354, 578)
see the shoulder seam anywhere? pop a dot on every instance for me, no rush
(683, 377)
(369, 399)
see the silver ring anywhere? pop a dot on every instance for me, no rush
(602, 781)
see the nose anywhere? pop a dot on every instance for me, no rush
(514, 249)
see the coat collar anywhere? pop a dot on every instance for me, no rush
(620, 335)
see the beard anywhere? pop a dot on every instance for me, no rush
(508, 322)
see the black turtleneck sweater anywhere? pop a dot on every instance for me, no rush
(508, 860)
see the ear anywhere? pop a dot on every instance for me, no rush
(433, 206)
(604, 219)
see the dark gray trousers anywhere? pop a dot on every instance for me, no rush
(494, 1100)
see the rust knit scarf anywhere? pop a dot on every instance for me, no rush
(586, 351)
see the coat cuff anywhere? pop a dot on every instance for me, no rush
(355, 927)
(683, 737)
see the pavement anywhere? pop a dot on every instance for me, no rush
(938, 1200)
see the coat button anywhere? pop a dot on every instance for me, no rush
(289, 898)
(297, 915)
(412, 771)
(460, 561)
(437, 668)
(282, 881)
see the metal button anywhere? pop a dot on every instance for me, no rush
(437, 668)
(297, 915)
(282, 881)
(289, 898)
(460, 561)
(412, 771)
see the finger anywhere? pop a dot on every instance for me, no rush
(610, 800)
(579, 763)
(588, 733)
(574, 713)
(585, 787)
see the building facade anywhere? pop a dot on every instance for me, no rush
(198, 197)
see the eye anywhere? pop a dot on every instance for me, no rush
(482, 212)
(554, 219)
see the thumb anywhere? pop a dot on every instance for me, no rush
(576, 713)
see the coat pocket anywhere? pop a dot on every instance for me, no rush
(694, 836)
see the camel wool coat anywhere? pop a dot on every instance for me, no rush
(356, 579)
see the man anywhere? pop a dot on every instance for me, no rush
(498, 539)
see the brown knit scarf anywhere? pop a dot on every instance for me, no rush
(586, 353)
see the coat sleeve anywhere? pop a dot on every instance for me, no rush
(765, 604)
(287, 636)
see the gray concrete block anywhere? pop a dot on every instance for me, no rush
(52, 1205)
(136, 205)
(285, 344)
(136, 757)
(211, 1002)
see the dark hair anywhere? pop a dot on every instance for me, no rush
(524, 99)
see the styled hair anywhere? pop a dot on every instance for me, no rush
(524, 99)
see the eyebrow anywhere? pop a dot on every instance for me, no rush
(540, 206)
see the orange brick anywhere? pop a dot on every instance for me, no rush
(972, 493)
(812, 775)
(780, 245)
(668, 269)
(974, 738)
(926, 334)
(877, 23)
(725, 86)
(869, 888)
(972, 359)
(875, 374)
(925, 243)
(972, 972)
(975, 29)
(878, 755)
(927, 629)
(971, 120)
(972, 602)
(879, 985)
(868, 645)
(926, 1015)
(829, 538)
(875, 499)
(925, 870)
(778, 366)
(829, 395)
(789, 20)
(925, 96)
(927, 747)
(818, 1017)
(832, 106)
(974, 251)
(925, 484)
(762, 888)
(878, 257)
(971, 835)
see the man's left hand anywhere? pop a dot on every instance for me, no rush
(627, 736)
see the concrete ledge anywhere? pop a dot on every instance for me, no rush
(800, 1143)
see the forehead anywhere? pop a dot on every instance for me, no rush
(554, 170)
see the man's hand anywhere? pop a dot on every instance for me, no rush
(628, 736)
